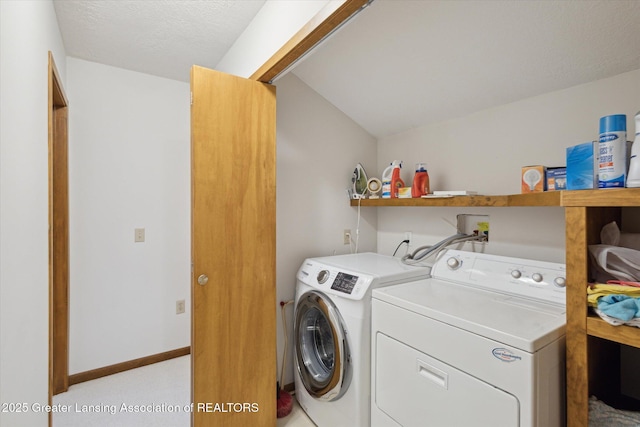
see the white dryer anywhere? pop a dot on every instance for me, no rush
(481, 343)
(332, 333)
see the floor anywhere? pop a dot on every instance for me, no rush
(162, 390)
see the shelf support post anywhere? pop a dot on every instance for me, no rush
(577, 260)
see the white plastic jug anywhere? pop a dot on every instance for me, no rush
(386, 178)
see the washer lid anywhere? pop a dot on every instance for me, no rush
(519, 322)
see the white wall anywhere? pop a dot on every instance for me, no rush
(129, 163)
(28, 30)
(318, 148)
(272, 27)
(485, 152)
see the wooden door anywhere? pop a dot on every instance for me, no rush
(58, 235)
(233, 132)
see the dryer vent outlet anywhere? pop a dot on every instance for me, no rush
(473, 224)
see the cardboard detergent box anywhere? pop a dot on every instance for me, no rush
(582, 166)
(556, 178)
(533, 179)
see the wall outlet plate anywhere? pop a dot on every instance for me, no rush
(180, 306)
(346, 237)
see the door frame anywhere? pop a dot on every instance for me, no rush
(58, 116)
(323, 24)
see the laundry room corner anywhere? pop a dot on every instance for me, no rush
(317, 149)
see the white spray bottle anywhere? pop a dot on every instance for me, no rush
(633, 177)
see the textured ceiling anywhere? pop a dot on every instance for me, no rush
(402, 64)
(159, 37)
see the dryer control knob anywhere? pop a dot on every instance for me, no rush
(323, 276)
(453, 263)
(560, 282)
(537, 277)
(516, 274)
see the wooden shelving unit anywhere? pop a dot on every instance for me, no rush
(593, 346)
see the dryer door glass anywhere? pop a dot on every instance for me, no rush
(322, 353)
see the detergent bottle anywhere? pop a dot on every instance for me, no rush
(391, 179)
(396, 181)
(420, 185)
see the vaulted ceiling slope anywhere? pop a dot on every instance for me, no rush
(402, 64)
(159, 37)
(399, 64)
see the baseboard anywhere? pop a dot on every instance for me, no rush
(125, 366)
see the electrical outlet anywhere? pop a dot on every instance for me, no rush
(407, 236)
(180, 306)
(346, 237)
(139, 235)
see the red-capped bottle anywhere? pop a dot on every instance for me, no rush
(396, 181)
(420, 185)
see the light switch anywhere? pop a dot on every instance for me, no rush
(180, 306)
(139, 235)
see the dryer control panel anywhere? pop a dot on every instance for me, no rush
(539, 280)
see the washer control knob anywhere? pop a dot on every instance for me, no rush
(453, 263)
(537, 277)
(560, 282)
(323, 276)
(516, 274)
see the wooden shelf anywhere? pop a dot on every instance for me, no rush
(550, 198)
(623, 197)
(627, 335)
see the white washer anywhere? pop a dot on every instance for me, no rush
(481, 343)
(333, 333)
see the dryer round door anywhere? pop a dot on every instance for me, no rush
(322, 351)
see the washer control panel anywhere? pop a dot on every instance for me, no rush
(344, 282)
(347, 284)
(534, 279)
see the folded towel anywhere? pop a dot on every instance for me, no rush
(598, 290)
(617, 322)
(621, 307)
